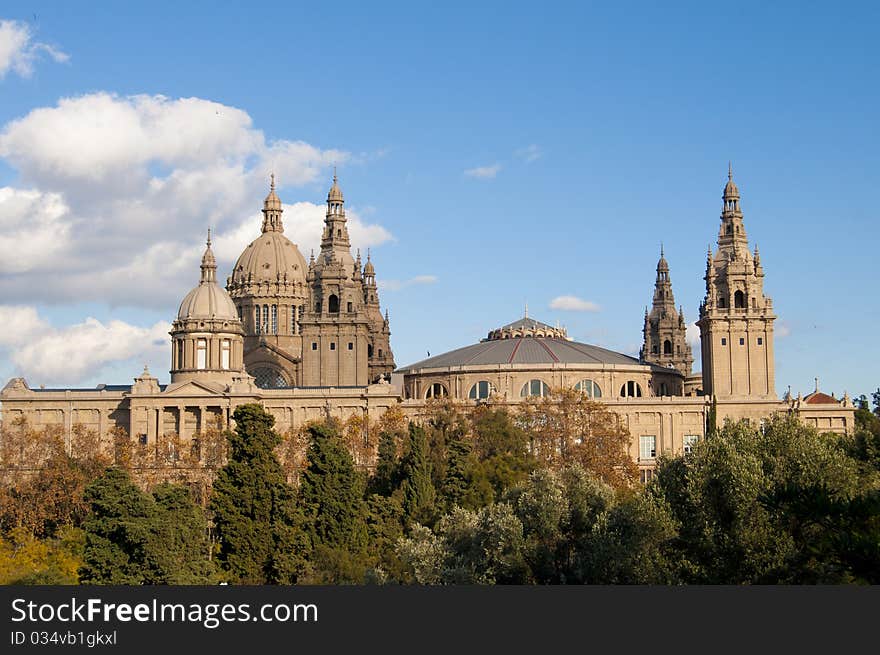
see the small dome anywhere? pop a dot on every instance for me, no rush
(730, 190)
(269, 257)
(272, 201)
(369, 269)
(335, 193)
(207, 300)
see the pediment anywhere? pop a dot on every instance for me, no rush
(194, 388)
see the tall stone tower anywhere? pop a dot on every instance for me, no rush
(665, 334)
(736, 318)
(206, 337)
(345, 339)
(268, 286)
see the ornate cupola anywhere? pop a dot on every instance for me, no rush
(268, 286)
(207, 334)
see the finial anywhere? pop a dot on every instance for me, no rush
(661, 249)
(146, 370)
(368, 254)
(209, 237)
(526, 311)
(729, 170)
(334, 173)
(272, 182)
(817, 384)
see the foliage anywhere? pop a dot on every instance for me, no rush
(25, 559)
(330, 500)
(417, 484)
(567, 426)
(132, 537)
(253, 506)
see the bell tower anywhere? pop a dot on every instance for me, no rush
(736, 318)
(665, 334)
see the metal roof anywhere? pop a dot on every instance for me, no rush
(528, 350)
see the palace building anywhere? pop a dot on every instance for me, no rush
(309, 339)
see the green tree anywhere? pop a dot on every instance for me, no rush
(502, 451)
(418, 487)
(117, 531)
(752, 506)
(330, 499)
(386, 477)
(179, 547)
(253, 506)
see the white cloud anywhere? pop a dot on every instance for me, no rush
(39, 351)
(782, 330)
(573, 304)
(483, 172)
(530, 153)
(397, 285)
(692, 334)
(18, 50)
(117, 194)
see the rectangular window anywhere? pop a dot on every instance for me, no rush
(332, 345)
(274, 319)
(202, 354)
(646, 475)
(349, 308)
(647, 446)
(690, 441)
(314, 345)
(224, 354)
(142, 439)
(293, 319)
(723, 341)
(350, 345)
(257, 321)
(760, 341)
(742, 341)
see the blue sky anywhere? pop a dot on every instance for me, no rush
(509, 153)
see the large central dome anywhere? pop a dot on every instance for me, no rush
(270, 257)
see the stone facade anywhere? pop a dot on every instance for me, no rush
(310, 340)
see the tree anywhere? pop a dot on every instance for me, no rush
(132, 537)
(330, 500)
(418, 488)
(179, 551)
(758, 507)
(502, 451)
(117, 531)
(386, 477)
(567, 426)
(253, 506)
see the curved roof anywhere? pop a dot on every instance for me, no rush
(207, 301)
(269, 256)
(529, 351)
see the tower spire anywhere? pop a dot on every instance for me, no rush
(209, 263)
(272, 209)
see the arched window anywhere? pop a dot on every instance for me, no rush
(333, 304)
(631, 390)
(436, 390)
(739, 300)
(380, 353)
(201, 353)
(535, 388)
(667, 347)
(589, 387)
(269, 378)
(317, 306)
(480, 390)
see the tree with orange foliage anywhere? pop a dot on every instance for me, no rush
(567, 426)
